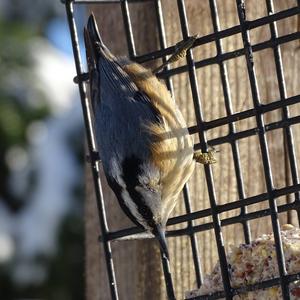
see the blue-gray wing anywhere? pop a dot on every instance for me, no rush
(125, 149)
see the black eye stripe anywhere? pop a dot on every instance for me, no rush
(117, 188)
(131, 171)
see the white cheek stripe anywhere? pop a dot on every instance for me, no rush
(126, 197)
(133, 208)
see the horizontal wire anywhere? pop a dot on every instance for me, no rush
(251, 287)
(264, 108)
(219, 209)
(231, 137)
(231, 55)
(221, 34)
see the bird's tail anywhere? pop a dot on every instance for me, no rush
(160, 233)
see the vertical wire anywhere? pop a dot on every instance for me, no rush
(263, 147)
(288, 133)
(132, 54)
(128, 29)
(232, 129)
(92, 150)
(163, 41)
(193, 238)
(186, 195)
(203, 139)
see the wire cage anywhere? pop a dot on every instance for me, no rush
(260, 130)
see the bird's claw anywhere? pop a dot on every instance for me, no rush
(181, 49)
(205, 158)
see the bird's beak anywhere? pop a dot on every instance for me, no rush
(159, 233)
(95, 48)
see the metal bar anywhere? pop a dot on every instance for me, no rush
(163, 41)
(263, 147)
(231, 55)
(168, 277)
(132, 54)
(186, 196)
(237, 219)
(249, 132)
(224, 33)
(228, 106)
(92, 148)
(193, 238)
(264, 108)
(208, 226)
(288, 134)
(202, 136)
(236, 204)
(224, 222)
(113, 235)
(283, 123)
(128, 29)
(252, 287)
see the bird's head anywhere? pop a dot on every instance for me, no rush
(95, 48)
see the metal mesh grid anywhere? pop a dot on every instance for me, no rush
(201, 128)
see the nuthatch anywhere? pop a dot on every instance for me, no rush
(142, 138)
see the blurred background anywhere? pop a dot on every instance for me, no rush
(41, 149)
(41, 165)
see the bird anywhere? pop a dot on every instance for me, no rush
(145, 148)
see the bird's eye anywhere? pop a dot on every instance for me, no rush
(97, 46)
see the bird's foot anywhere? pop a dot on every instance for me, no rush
(181, 48)
(180, 52)
(205, 158)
